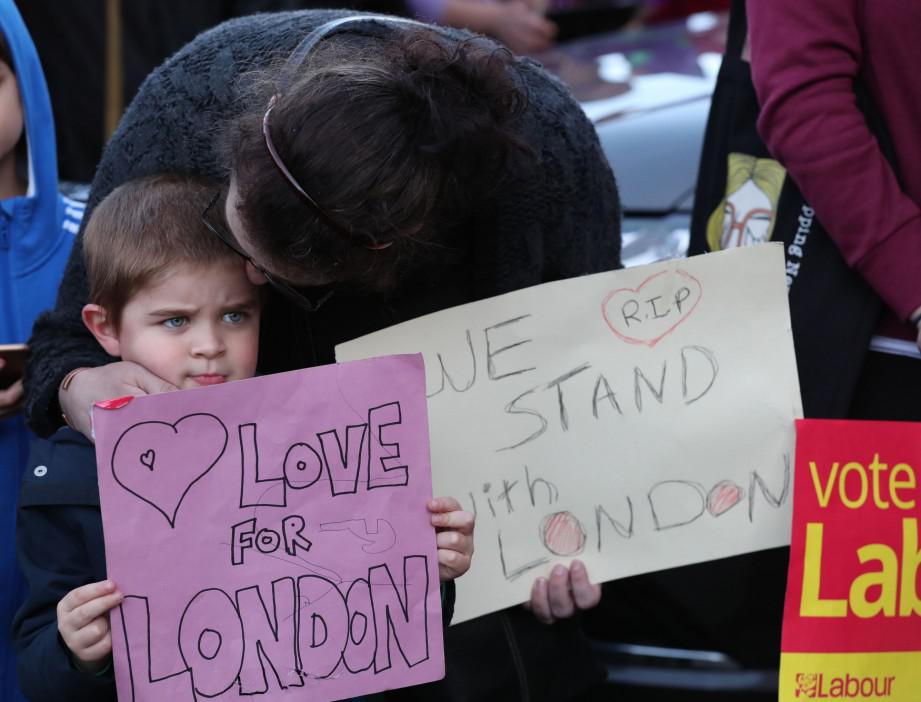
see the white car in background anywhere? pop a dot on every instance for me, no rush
(648, 93)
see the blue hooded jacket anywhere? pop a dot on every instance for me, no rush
(36, 234)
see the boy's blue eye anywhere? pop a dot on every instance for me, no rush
(174, 322)
(234, 317)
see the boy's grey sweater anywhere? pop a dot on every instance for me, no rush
(556, 220)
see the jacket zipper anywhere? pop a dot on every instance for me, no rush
(516, 658)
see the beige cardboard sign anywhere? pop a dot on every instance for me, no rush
(639, 419)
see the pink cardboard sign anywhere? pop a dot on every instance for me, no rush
(271, 536)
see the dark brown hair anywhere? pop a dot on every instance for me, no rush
(398, 138)
(142, 230)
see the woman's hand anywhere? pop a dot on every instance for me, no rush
(10, 398)
(83, 622)
(453, 537)
(917, 315)
(104, 383)
(564, 593)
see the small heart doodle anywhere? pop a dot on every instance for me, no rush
(724, 496)
(648, 313)
(185, 451)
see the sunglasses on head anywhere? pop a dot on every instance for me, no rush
(221, 232)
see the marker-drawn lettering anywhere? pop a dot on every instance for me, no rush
(381, 471)
(241, 538)
(303, 467)
(773, 500)
(256, 488)
(447, 376)
(513, 408)
(505, 494)
(681, 294)
(492, 353)
(656, 312)
(553, 492)
(629, 310)
(623, 530)
(558, 384)
(397, 609)
(343, 463)
(675, 503)
(658, 393)
(292, 528)
(134, 613)
(270, 636)
(512, 574)
(211, 642)
(323, 623)
(687, 353)
(608, 395)
(361, 646)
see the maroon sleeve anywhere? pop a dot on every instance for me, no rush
(805, 58)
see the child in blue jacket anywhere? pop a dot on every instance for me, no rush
(37, 228)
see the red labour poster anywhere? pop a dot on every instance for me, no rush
(852, 622)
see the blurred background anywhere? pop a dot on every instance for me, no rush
(644, 73)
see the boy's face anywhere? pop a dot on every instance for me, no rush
(197, 326)
(11, 119)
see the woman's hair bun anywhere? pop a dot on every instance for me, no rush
(398, 137)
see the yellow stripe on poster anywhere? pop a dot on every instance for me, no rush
(892, 677)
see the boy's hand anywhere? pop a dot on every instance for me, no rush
(83, 620)
(453, 536)
(564, 593)
(103, 383)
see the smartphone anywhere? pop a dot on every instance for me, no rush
(14, 357)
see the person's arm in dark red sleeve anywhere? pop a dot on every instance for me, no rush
(805, 58)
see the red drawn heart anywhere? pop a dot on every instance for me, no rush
(158, 462)
(724, 496)
(627, 314)
(563, 534)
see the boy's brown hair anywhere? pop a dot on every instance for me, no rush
(142, 230)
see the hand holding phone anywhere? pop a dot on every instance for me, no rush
(12, 362)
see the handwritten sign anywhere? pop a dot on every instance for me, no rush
(271, 536)
(639, 419)
(852, 620)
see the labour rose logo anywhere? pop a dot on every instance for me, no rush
(806, 684)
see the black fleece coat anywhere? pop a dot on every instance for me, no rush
(555, 219)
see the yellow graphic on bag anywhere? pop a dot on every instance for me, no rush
(746, 215)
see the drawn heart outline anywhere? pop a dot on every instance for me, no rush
(148, 458)
(143, 485)
(655, 340)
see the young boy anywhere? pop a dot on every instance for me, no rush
(169, 295)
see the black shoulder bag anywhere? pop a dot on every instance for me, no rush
(745, 197)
